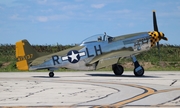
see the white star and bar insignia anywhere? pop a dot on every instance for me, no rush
(73, 56)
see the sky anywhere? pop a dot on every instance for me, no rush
(68, 22)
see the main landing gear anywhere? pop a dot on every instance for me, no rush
(51, 74)
(117, 69)
(138, 69)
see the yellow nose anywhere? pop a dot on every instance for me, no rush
(155, 37)
(161, 34)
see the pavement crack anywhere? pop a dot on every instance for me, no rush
(173, 101)
(75, 93)
(21, 97)
(30, 94)
(177, 100)
(99, 97)
(174, 81)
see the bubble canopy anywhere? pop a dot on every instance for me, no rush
(94, 38)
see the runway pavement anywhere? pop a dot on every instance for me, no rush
(89, 89)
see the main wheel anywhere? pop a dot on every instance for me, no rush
(139, 72)
(117, 69)
(51, 74)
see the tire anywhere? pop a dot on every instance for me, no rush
(117, 69)
(51, 74)
(139, 73)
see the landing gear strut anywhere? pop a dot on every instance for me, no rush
(138, 69)
(51, 74)
(117, 69)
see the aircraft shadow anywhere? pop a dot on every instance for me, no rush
(104, 75)
(45, 77)
(112, 75)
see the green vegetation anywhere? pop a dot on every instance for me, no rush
(169, 58)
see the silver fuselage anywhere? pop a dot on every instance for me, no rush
(130, 44)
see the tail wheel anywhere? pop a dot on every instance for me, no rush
(139, 71)
(117, 69)
(51, 74)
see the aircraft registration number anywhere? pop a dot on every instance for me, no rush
(26, 57)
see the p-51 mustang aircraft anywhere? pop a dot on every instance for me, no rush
(93, 53)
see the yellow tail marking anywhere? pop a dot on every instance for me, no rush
(20, 49)
(22, 65)
(20, 53)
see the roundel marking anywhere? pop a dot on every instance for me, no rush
(73, 56)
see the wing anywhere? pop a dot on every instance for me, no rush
(43, 59)
(110, 58)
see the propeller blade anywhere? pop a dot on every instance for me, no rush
(158, 49)
(155, 22)
(156, 29)
(164, 38)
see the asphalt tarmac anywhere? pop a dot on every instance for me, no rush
(89, 89)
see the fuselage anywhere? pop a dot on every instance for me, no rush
(97, 46)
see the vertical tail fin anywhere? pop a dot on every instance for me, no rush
(24, 54)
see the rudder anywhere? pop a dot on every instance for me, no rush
(24, 54)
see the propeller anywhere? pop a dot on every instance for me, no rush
(156, 36)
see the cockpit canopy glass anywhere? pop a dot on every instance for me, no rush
(94, 38)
